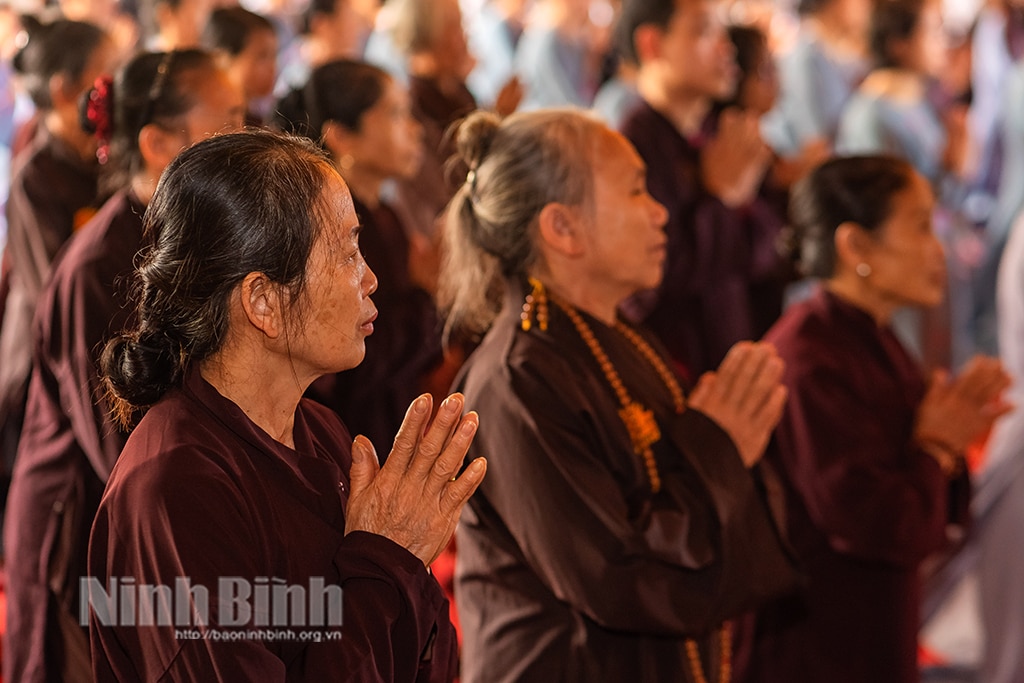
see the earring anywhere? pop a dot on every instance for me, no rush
(346, 161)
(537, 299)
(863, 269)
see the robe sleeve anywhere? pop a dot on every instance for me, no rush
(552, 482)
(872, 496)
(84, 316)
(193, 520)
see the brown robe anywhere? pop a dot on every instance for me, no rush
(68, 447)
(373, 397)
(53, 192)
(865, 506)
(202, 492)
(569, 568)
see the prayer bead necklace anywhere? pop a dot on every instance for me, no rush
(644, 432)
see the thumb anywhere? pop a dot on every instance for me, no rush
(364, 466)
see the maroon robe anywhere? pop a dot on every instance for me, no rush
(569, 568)
(373, 397)
(865, 506)
(703, 305)
(202, 492)
(423, 198)
(68, 447)
(53, 192)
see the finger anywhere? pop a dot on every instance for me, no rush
(409, 434)
(432, 444)
(747, 387)
(733, 361)
(762, 385)
(453, 455)
(973, 382)
(768, 415)
(457, 492)
(364, 466)
(701, 394)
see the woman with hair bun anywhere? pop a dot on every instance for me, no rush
(52, 193)
(254, 286)
(158, 104)
(624, 522)
(871, 451)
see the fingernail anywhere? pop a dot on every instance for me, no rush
(476, 468)
(450, 405)
(419, 406)
(468, 428)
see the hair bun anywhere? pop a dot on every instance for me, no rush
(476, 135)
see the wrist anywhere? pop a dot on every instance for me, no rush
(948, 457)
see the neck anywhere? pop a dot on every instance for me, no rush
(426, 65)
(853, 290)
(903, 85)
(143, 185)
(687, 112)
(836, 37)
(581, 294)
(60, 127)
(268, 395)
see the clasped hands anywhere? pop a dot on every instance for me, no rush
(744, 397)
(415, 498)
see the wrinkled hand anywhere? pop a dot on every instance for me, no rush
(413, 499)
(954, 412)
(744, 397)
(734, 162)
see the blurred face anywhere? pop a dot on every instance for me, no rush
(336, 315)
(908, 267)
(758, 91)
(186, 22)
(343, 31)
(696, 55)
(626, 237)
(255, 67)
(928, 44)
(219, 108)
(452, 50)
(389, 141)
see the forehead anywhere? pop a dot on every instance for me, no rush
(340, 213)
(616, 154)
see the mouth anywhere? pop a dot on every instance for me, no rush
(367, 325)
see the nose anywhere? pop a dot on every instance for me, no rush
(659, 214)
(369, 281)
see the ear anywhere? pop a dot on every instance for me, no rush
(853, 244)
(561, 230)
(261, 302)
(158, 146)
(647, 42)
(338, 139)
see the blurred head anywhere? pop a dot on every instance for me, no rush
(433, 29)
(364, 118)
(682, 44)
(160, 103)
(61, 60)
(337, 27)
(854, 15)
(908, 34)
(253, 214)
(248, 44)
(758, 86)
(530, 174)
(180, 23)
(873, 211)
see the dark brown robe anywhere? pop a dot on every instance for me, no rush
(715, 256)
(53, 192)
(68, 447)
(865, 506)
(373, 397)
(202, 492)
(569, 568)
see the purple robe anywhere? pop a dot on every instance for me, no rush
(68, 447)
(200, 491)
(865, 505)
